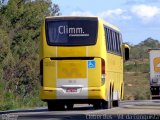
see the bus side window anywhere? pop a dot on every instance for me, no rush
(120, 42)
(114, 41)
(109, 40)
(117, 43)
(106, 38)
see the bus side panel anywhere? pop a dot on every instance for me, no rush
(115, 71)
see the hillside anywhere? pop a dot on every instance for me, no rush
(137, 70)
(140, 51)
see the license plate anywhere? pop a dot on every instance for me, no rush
(71, 90)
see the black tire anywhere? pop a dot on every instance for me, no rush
(52, 106)
(70, 106)
(97, 105)
(106, 105)
(115, 103)
(155, 98)
(111, 97)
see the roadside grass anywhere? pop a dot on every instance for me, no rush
(11, 101)
(136, 86)
(142, 67)
(136, 78)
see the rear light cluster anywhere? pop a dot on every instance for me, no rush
(103, 76)
(41, 72)
(103, 65)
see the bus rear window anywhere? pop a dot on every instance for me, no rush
(76, 32)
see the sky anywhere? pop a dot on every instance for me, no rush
(137, 19)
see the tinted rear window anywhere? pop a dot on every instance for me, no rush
(78, 32)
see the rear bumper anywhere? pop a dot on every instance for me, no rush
(47, 93)
(74, 101)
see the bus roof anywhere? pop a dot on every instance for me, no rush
(109, 25)
(104, 22)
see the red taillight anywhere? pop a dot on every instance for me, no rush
(103, 65)
(103, 71)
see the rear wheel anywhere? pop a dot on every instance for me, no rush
(115, 103)
(111, 97)
(70, 106)
(52, 106)
(97, 105)
(154, 98)
(106, 105)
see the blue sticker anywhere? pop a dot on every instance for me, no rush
(91, 64)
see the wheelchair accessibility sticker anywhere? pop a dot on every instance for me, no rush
(91, 64)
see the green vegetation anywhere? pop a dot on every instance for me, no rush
(137, 70)
(137, 86)
(140, 52)
(137, 67)
(19, 47)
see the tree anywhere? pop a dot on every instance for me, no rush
(4, 44)
(140, 51)
(19, 40)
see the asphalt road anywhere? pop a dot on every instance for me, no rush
(128, 110)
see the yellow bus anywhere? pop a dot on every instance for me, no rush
(81, 61)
